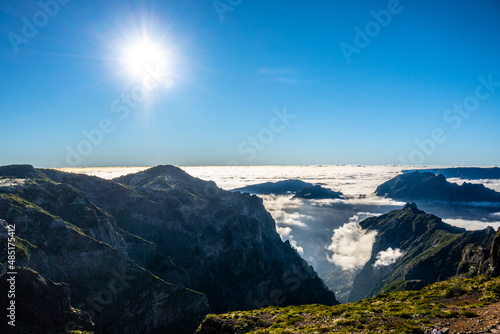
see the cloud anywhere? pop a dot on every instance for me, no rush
(351, 246)
(360, 216)
(299, 249)
(387, 257)
(488, 183)
(472, 225)
(285, 234)
(276, 205)
(296, 219)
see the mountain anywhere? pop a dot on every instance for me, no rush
(318, 192)
(276, 188)
(428, 250)
(40, 305)
(66, 238)
(152, 251)
(467, 173)
(430, 187)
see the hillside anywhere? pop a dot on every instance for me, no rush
(458, 305)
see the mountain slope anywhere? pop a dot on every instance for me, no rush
(431, 250)
(41, 306)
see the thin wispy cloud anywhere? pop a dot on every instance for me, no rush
(290, 76)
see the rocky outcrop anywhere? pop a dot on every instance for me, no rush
(135, 250)
(431, 250)
(40, 305)
(430, 187)
(474, 260)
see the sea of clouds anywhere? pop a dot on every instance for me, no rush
(326, 232)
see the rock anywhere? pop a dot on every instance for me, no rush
(495, 255)
(41, 305)
(474, 260)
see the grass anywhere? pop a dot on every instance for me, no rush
(395, 312)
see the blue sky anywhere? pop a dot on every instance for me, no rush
(251, 83)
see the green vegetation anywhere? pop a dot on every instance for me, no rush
(396, 312)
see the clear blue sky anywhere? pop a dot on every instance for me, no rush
(229, 78)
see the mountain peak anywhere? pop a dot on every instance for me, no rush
(412, 206)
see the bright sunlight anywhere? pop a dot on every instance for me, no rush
(143, 57)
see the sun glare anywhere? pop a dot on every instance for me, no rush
(144, 57)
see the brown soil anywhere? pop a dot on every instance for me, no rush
(486, 321)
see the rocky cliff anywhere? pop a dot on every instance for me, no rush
(40, 306)
(117, 243)
(495, 255)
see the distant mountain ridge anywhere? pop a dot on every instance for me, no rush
(430, 187)
(467, 173)
(161, 233)
(298, 188)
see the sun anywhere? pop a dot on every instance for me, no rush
(143, 57)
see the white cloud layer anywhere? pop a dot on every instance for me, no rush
(387, 257)
(472, 225)
(488, 183)
(351, 246)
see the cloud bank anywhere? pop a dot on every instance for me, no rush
(351, 246)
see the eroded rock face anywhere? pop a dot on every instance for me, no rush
(92, 234)
(41, 305)
(495, 255)
(474, 260)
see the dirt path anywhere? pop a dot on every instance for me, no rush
(486, 321)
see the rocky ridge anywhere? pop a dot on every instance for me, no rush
(117, 243)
